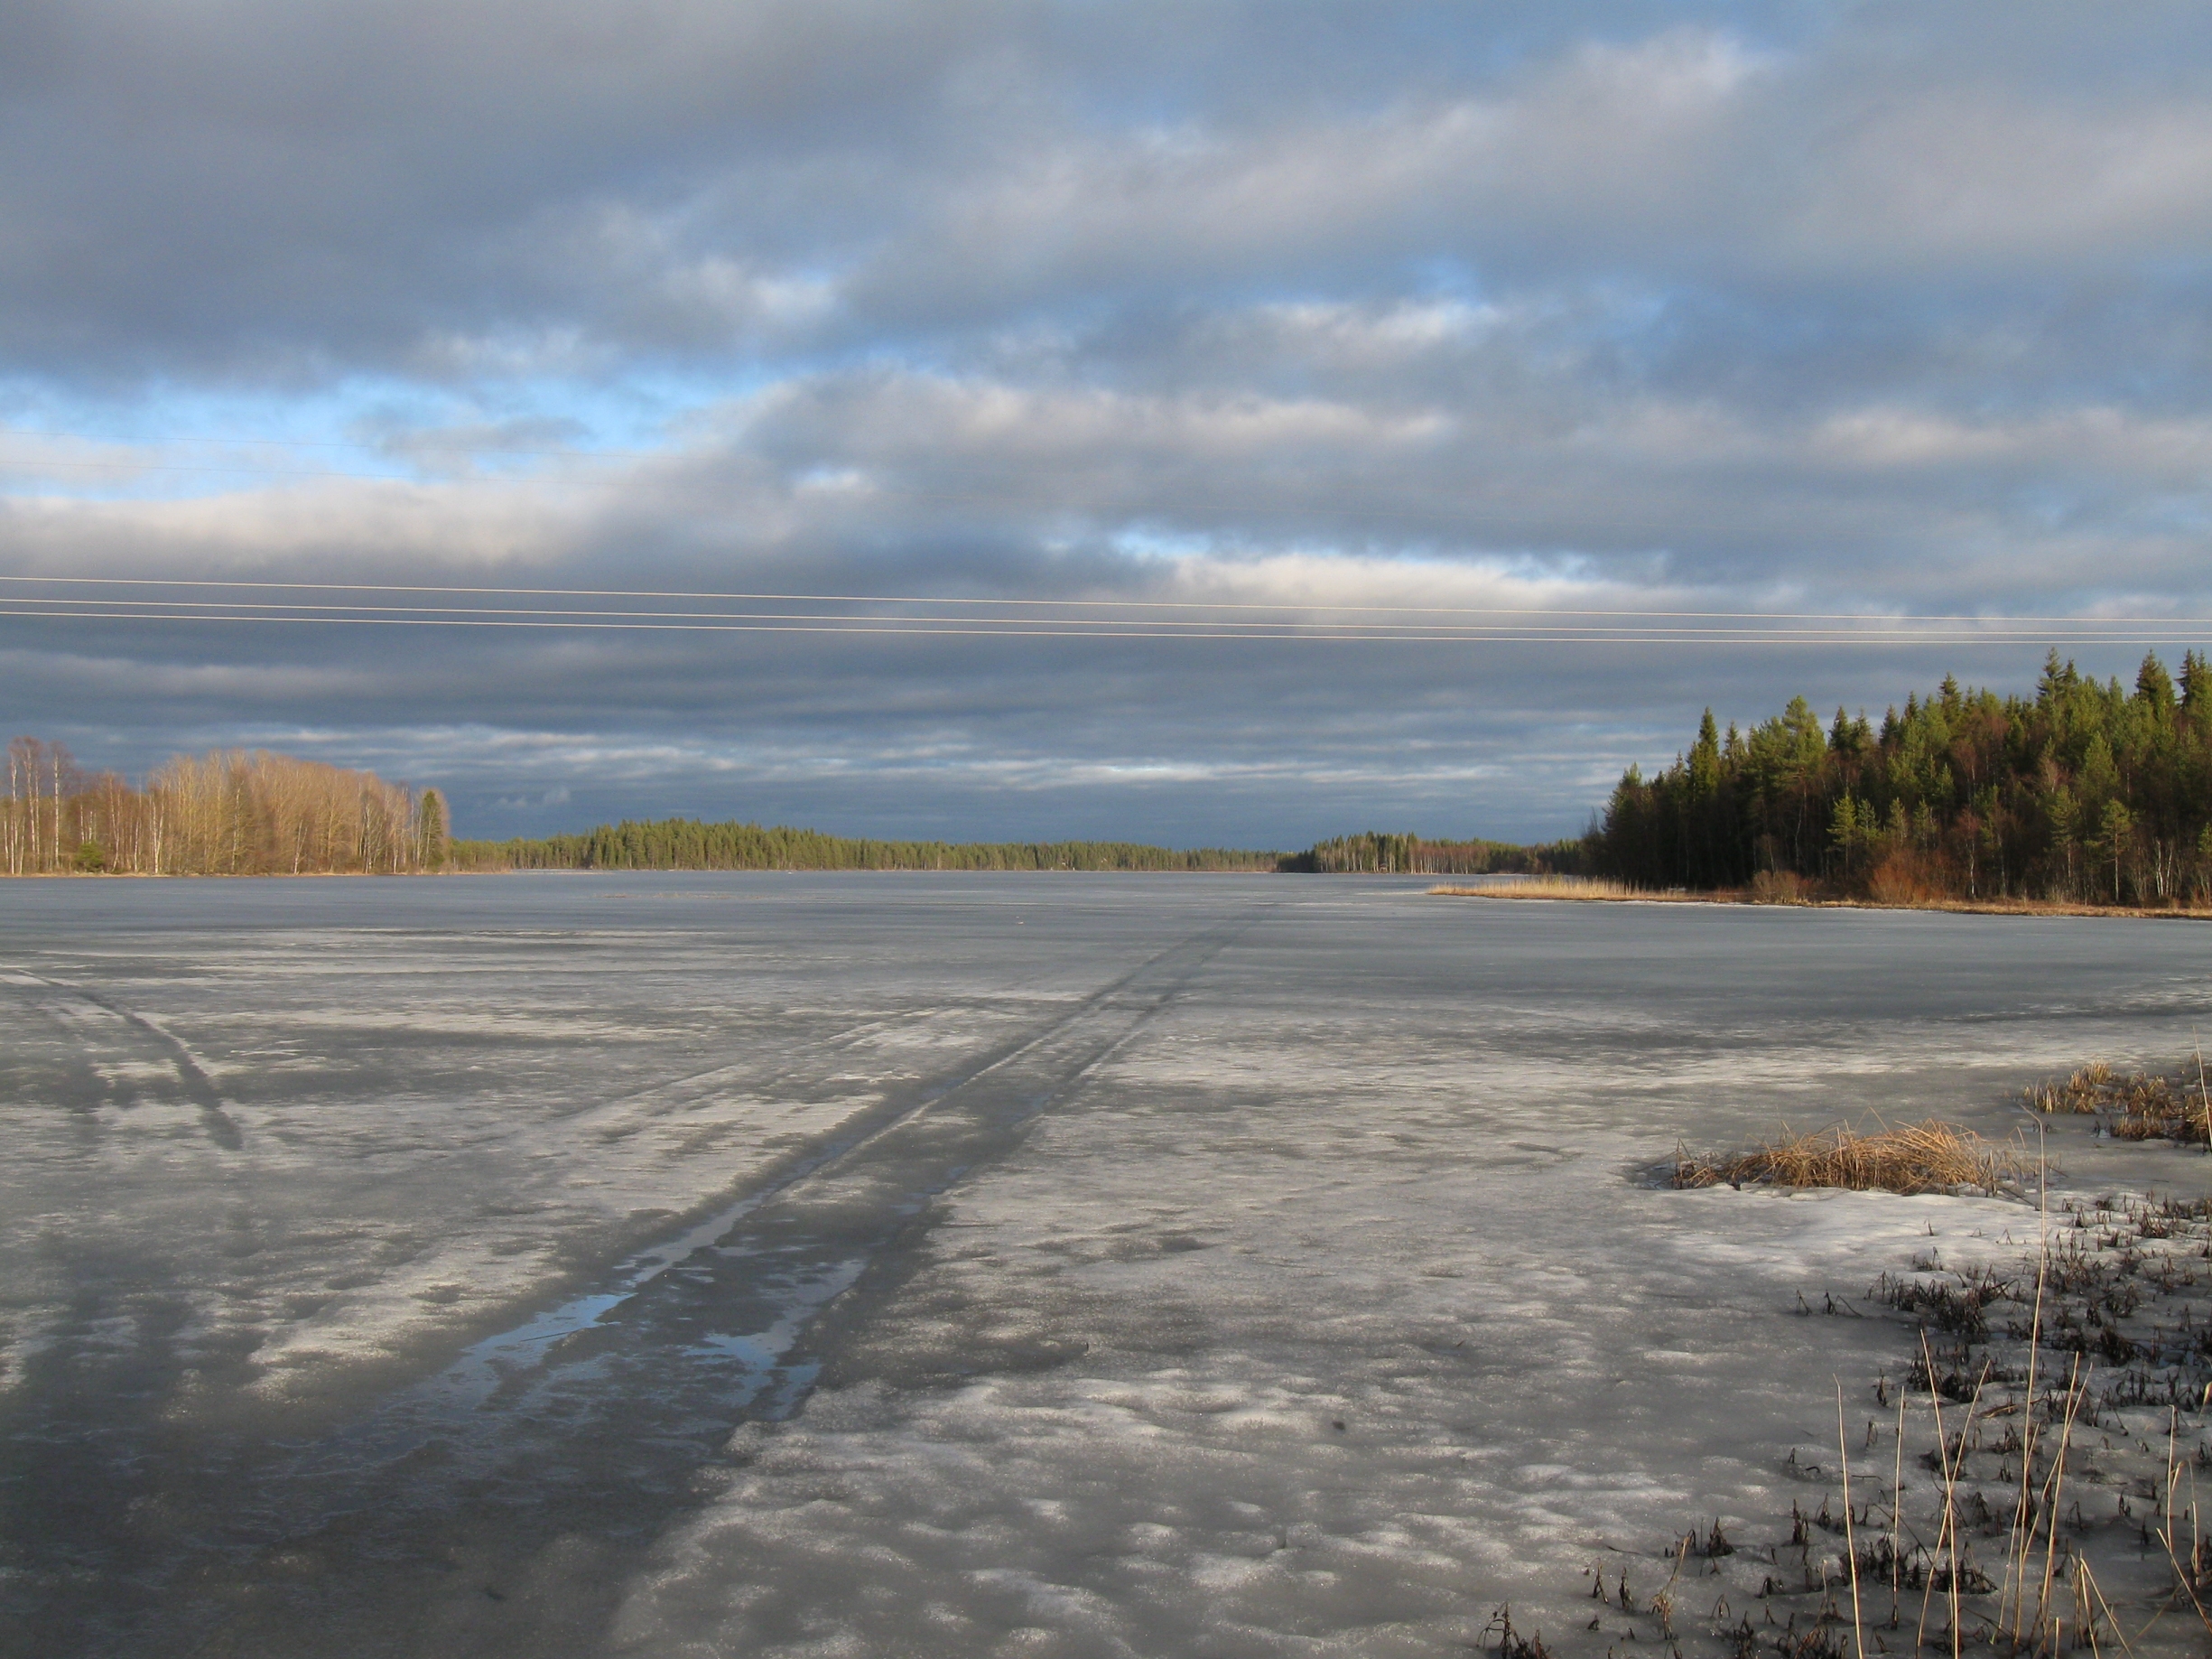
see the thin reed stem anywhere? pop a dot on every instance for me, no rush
(1850, 1548)
(1897, 1511)
(2023, 1522)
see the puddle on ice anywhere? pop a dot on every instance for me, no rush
(483, 1403)
(495, 1362)
(1208, 1265)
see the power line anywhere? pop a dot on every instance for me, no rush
(1062, 628)
(186, 609)
(2033, 622)
(330, 444)
(135, 467)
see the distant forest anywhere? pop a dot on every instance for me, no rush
(2084, 792)
(236, 813)
(1385, 854)
(223, 814)
(683, 843)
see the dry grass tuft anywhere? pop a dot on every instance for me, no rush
(1780, 886)
(1552, 887)
(1930, 1156)
(2137, 1105)
(2086, 1091)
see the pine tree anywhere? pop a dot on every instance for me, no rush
(434, 833)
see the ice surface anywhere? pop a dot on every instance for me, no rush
(950, 1265)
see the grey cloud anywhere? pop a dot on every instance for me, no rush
(254, 184)
(1821, 309)
(211, 184)
(845, 477)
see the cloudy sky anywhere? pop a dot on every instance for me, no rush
(1199, 324)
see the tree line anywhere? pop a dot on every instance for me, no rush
(235, 812)
(686, 843)
(2083, 792)
(227, 812)
(1377, 853)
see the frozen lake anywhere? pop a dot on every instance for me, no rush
(687, 1264)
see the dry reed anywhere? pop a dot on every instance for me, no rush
(1930, 1156)
(2138, 1105)
(1767, 890)
(1553, 887)
(2013, 1455)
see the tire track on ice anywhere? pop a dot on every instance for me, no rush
(721, 1304)
(194, 1082)
(595, 1420)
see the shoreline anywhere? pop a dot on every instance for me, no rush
(770, 870)
(1740, 897)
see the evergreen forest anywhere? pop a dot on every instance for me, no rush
(2083, 793)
